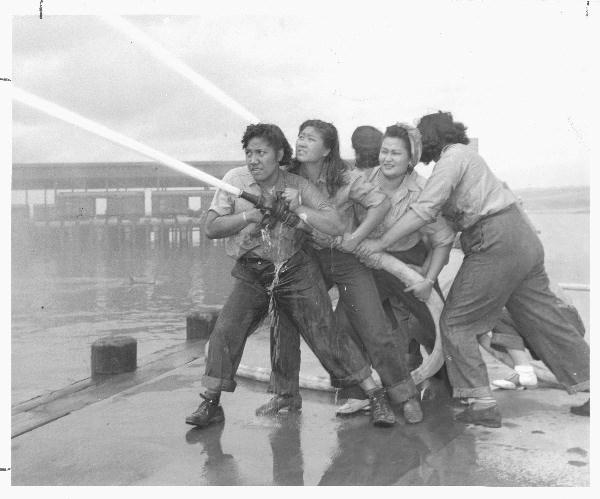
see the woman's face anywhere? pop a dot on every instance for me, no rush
(394, 157)
(310, 147)
(262, 159)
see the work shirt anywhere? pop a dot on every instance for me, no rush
(357, 190)
(278, 244)
(463, 188)
(438, 232)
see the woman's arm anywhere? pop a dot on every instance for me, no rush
(374, 216)
(325, 219)
(220, 226)
(439, 258)
(445, 177)
(406, 225)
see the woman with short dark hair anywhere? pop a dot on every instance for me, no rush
(271, 270)
(366, 141)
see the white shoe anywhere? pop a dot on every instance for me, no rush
(353, 406)
(522, 377)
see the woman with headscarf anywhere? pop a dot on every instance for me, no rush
(399, 153)
(503, 266)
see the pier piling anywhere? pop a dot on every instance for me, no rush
(201, 324)
(114, 355)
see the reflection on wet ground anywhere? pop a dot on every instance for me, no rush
(139, 437)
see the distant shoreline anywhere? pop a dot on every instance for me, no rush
(572, 199)
(569, 211)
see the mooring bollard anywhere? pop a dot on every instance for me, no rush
(201, 324)
(114, 355)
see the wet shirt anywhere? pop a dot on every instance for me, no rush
(463, 188)
(437, 232)
(278, 244)
(356, 191)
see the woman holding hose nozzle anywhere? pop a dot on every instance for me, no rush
(271, 268)
(503, 266)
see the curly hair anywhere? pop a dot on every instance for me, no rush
(366, 142)
(399, 132)
(437, 131)
(274, 137)
(335, 167)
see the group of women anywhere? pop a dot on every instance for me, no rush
(387, 207)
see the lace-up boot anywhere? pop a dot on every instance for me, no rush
(208, 412)
(488, 416)
(280, 402)
(381, 412)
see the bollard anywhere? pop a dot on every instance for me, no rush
(201, 324)
(114, 355)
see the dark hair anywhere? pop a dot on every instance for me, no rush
(366, 141)
(398, 132)
(274, 137)
(335, 167)
(437, 131)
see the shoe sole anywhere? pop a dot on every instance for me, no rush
(384, 424)
(362, 410)
(584, 414)
(216, 419)
(273, 413)
(504, 387)
(352, 414)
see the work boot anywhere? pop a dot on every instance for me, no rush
(279, 402)
(208, 412)
(490, 416)
(581, 410)
(412, 411)
(381, 412)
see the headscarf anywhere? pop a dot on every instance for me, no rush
(416, 146)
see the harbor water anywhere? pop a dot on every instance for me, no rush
(68, 293)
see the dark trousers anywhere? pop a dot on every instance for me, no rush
(414, 326)
(504, 266)
(298, 292)
(362, 306)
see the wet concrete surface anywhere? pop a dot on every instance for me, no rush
(139, 437)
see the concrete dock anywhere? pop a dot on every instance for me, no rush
(129, 430)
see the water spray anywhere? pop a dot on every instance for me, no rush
(120, 139)
(179, 67)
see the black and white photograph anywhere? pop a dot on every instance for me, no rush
(298, 243)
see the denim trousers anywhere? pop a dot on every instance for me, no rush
(298, 291)
(411, 317)
(362, 307)
(504, 266)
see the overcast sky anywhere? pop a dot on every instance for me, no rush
(517, 75)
